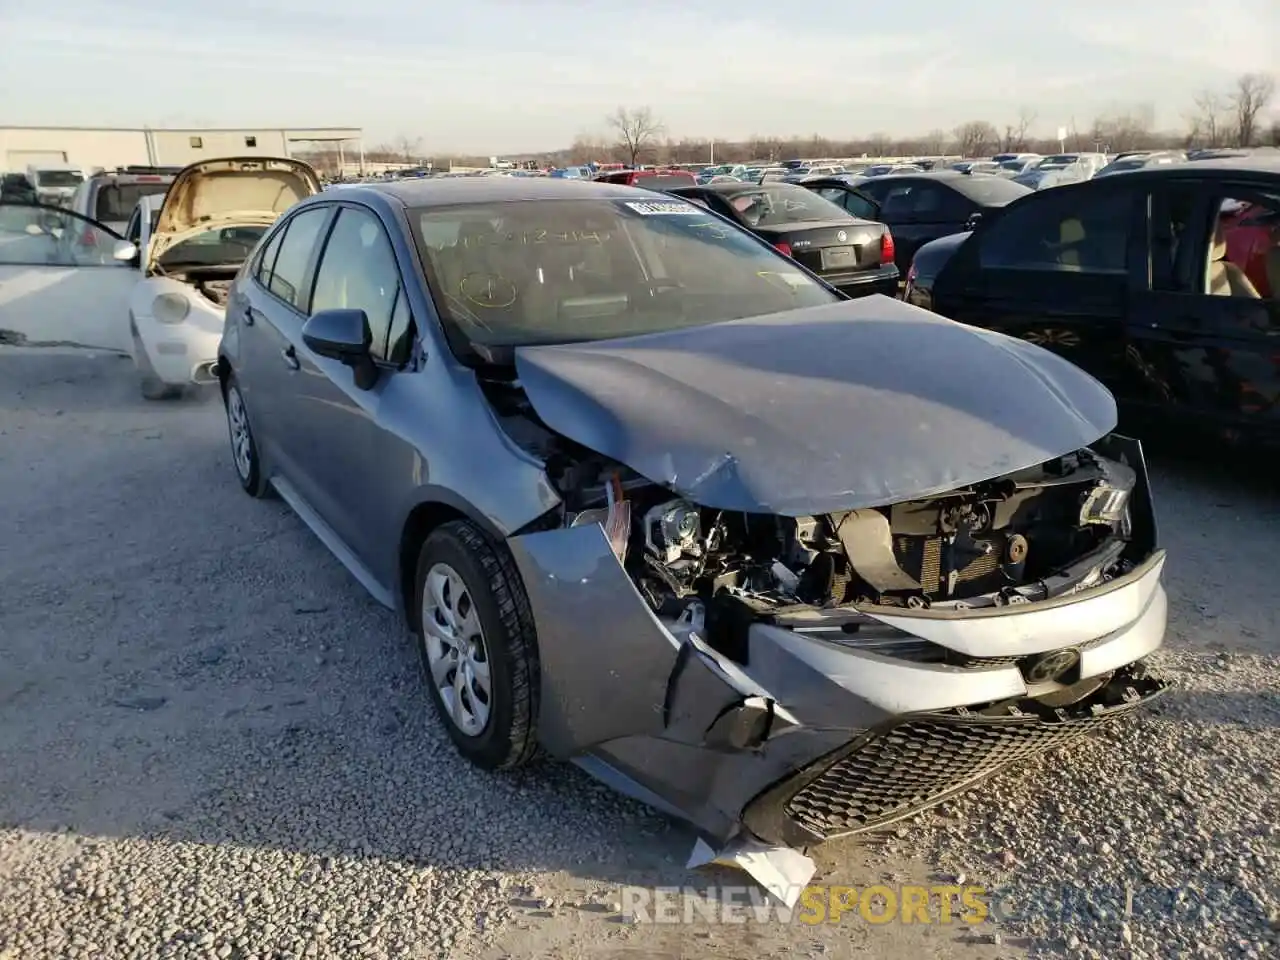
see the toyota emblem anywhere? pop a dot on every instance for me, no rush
(1050, 666)
(841, 237)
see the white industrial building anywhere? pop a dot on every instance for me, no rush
(117, 147)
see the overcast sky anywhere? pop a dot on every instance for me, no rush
(495, 76)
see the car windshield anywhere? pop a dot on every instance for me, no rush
(990, 191)
(559, 271)
(1018, 165)
(1061, 160)
(117, 200)
(59, 178)
(776, 204)
(1132, 163)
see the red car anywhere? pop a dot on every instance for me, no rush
(1253, 244)
(650, 179)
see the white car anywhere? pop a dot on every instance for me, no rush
(168, 275)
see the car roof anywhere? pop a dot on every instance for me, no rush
(1221, 169)
(429, 192)
(735, 186)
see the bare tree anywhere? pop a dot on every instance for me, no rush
(407, 148)
(880, 144)
(973, 138)
(1211, 120)
(637, 131)
(1015, 134)
(1253, 92)
(1127, 129)
(935, 142)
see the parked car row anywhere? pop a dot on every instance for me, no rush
(848, 550)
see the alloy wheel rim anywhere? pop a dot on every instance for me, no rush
(456, 653)
(238, 423)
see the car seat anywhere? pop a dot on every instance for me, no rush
(1224, 278)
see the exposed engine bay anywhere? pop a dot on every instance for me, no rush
(1054, 529)
(216, 289)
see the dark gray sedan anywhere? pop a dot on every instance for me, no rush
(657, 500)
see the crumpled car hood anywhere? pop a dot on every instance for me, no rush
(839, 407)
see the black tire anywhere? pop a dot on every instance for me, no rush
(509, 738)
(251, 476)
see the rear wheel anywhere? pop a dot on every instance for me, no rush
(478, 648)
(244, 450)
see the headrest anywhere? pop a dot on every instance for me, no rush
(1071, 231)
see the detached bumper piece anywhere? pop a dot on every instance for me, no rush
(925, 758)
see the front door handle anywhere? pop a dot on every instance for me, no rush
(291, 358)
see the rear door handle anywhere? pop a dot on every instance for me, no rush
(291, 358)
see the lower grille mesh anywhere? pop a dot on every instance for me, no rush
(917, 763)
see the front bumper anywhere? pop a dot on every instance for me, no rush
(180, 353)
(921, 760)
(810, 737)
(865, 284)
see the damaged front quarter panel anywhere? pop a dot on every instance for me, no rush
(612, 669)
(649, 709)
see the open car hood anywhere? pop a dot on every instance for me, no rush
(244, 190)
(839, 407)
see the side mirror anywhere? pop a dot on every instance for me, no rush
(973, 221)
(124, 251)
(343, 335)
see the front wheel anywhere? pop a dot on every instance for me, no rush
(478, 647)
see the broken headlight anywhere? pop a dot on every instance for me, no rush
(672, 530)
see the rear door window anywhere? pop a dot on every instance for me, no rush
(115, 201)
(1069, 231)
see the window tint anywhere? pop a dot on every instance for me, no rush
(776, 204)
(954, 206)
(401, 336)
(358, 271)
(289, 272)
(133, 232)
(266, 259)
(855, 204)
(927, 202)
(899, 201)
(1170, 211)
(1073, 231)
(551, 271)
(115, 200)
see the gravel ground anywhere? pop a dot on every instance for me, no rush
(215, 745)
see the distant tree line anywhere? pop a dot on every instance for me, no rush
(1230, 118)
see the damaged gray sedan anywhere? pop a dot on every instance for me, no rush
(656, 500)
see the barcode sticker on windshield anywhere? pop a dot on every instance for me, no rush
(659, 208)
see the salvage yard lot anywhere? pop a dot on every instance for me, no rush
(214, 744)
